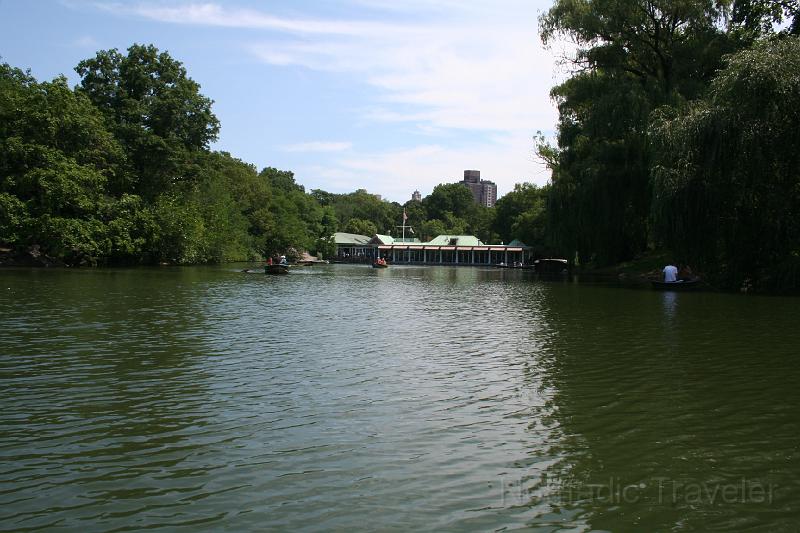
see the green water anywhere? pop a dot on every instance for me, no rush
(350, 398)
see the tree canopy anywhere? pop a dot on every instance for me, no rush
(727, 171)
(666, 135)
(156, 112)
(118, 170)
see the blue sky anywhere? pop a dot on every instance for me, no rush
(386, 95)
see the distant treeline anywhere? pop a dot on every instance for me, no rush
(118, 171)
(679, 130)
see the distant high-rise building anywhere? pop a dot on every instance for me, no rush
(416, 197)
(484, 192)
(488, 193)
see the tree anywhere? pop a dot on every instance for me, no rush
(651, 40)
(363, 205)
(156, 110)
(118, 170)
(759, 17)
(359, 226)
(632, 57)
(416, 213)
(454, 198)
(727, 187)
(294, 219)
(432, 228)
(600, 197)
(56, 159)
(521, 214)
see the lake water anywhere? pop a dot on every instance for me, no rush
(350, 398)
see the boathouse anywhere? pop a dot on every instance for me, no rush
(443, 250)
(351, 247)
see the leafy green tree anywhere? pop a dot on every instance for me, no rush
(157, 113)
(296, 219)
(363, 205)
(179, 239)
(13, 219)
(76, 241)
(359, 226)
(56, 158)
(654, 41)
(521, 214)
(325, 245)
(323, 198)
(118, 170)
(481, 223)
(600, 196)
(416, 213)
(130, 229)
(727, 172)
(759, 17)
(632, 57)
(454, 198)
(432, 228)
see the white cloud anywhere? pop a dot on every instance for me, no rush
(210, 14)
(318, 146)
(468, 77)
(460, 67)
(395, 174)
(476, 67)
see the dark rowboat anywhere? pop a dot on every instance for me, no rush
(680, 285)
(276, 269)
(380, 265)
(551, 266)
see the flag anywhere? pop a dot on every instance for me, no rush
(405, 217)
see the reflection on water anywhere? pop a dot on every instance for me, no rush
(669, 299)
(345, 397)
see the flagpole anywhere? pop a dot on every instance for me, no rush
(405, 217)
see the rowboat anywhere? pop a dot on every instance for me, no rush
(680, 285)
(380, 265)
(276, 269)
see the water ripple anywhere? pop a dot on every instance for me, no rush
(408, 398)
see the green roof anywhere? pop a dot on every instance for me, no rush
(388, 239)
(460, 240)
(385, 239)
(350, 238)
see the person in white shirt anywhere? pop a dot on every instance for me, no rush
(670, 273)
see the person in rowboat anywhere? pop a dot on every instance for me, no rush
(685, 273)
(670, 273)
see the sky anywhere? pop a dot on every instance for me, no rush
(385, 95)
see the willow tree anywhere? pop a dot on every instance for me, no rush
(632, 56)
(664, 44)
(727, 169)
